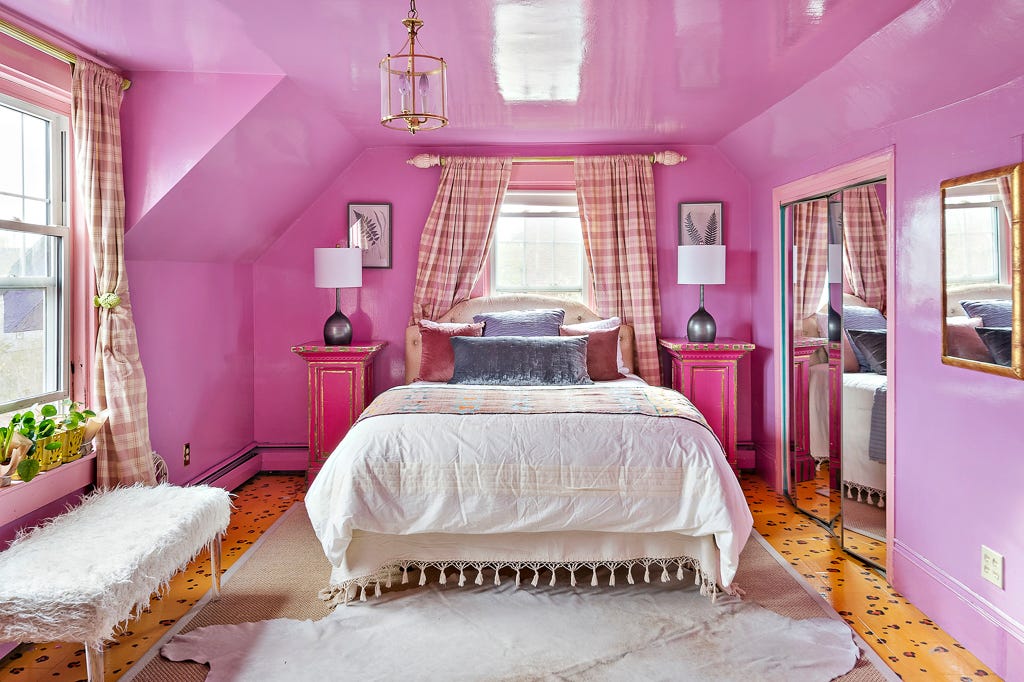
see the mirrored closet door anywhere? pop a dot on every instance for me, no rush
(837, 388)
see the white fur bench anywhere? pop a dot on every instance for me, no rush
(75, 578)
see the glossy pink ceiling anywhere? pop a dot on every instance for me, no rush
(243, 112)
(649, 70)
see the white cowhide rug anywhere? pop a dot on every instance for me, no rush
(639, 632)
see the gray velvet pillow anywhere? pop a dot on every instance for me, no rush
(994, 312)
(520, 361)
(856, 317)
(540, 322)
(871, 344)
(998, 342)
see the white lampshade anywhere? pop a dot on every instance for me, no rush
(835, 263)
(337, 268)
(701, 264)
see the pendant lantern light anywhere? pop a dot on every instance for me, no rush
(414, 87)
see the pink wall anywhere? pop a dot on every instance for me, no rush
(194, 323)
(288, 310)
(957, 456)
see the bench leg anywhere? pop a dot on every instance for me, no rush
(94, 662)
(215, 568)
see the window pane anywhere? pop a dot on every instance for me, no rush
(509, 271)
(31, 338)
(36, 131)
(972, 248)
(35, 212)
(11, 208)
(23, 356)
(540, 266)
(10, 159)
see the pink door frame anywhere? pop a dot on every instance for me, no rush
(876, 165)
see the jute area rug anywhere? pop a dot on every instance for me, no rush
(657, 631)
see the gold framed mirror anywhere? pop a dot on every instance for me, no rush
(982, 283)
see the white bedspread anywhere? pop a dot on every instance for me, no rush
(493, 474)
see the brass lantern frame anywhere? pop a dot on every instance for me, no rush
(404, 64)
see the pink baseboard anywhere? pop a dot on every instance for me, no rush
(991, 635)
(284, 457)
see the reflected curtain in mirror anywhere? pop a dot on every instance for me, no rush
(864, 245)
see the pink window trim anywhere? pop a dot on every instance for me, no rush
(55, 96)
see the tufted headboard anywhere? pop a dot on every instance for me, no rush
(973, 292)
(464, 312)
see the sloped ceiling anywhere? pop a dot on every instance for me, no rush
(243, 111)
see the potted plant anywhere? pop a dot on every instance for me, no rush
(74, 423)
(19, 456)
(50, 440)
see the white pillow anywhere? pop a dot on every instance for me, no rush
(600, 326)
(430, 324)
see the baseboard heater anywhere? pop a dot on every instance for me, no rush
(227, 468)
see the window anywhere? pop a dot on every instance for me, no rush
(975, 238)
(538, 246)
(34, 259)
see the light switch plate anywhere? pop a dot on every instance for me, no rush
(992, 566)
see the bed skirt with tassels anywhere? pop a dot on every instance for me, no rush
(354, 588)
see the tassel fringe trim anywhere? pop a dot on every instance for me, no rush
(526, 571)
(865, 493)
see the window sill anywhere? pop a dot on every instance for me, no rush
(20, 499)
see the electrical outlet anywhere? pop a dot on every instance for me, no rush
(186, 454)
(992, 566)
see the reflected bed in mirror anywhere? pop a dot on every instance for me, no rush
(982, 287)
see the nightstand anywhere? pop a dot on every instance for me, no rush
(340, 387)
(706, 373)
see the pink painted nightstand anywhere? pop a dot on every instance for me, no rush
(340, 387)
(706, 373)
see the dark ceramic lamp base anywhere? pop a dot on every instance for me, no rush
(337, 330)
(835, 325)
(701, 328)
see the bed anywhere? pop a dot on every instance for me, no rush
(864, 437)
(530, 479)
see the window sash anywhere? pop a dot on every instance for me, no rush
(999, 274)
(57, 299)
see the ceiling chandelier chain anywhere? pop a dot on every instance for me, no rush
(414, 86)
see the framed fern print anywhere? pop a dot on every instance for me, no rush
(700, 224)
(369, 228)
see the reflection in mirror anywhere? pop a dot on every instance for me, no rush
(980, 223)
(813, 469)
(864, 372)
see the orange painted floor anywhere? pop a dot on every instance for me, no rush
(913, 646)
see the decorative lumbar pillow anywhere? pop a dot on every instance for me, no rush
(850, 363)
(602, 363)
(998, 342)
(859, 318)
(963, 342)
(437, 361)
(603, 325)
(994, 312)
(871, 344)
(520, 361)
(540, 322)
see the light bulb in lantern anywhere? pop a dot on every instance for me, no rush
(424, 91)
(404, 90)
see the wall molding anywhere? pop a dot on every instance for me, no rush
(968, 603)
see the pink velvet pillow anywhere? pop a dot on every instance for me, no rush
(602, 347)
(437, 359)
(963, 342)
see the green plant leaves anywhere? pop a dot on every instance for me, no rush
(48, 411)
(27, 469)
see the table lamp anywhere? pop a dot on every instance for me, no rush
(337, 269)
(701, 264)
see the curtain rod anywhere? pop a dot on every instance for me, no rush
(666, 158)
(44, 46)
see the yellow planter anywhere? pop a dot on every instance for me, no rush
(51, 459)
(73, 448)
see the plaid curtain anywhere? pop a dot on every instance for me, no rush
(458, 233)
(810, 256)
(864, 243)
(616, 200)
(1007, 201)
(123, 451)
